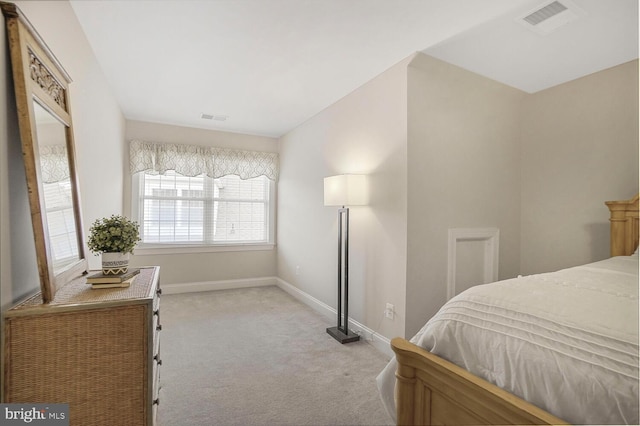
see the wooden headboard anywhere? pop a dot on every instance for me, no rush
(624, 226)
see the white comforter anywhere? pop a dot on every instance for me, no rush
(565, 341)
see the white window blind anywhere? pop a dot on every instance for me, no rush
(54, 167)
(61, 222)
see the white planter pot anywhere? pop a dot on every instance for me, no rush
(115, 263)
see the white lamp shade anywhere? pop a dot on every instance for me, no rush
(346, 190)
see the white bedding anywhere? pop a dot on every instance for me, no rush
(565, 341)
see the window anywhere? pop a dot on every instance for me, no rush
(193, 196)
(61, 222)
(57, 193)
(173, 209)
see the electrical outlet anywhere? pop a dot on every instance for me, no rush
(389, 311)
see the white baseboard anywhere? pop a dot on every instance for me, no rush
(375, 339)
(217, 285)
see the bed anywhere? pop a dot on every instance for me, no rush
(516, 351)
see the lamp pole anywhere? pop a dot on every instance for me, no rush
(341, 332)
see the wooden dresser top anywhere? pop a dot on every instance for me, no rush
(78, 294)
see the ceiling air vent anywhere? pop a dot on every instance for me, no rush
(545, 13)
(550, 16)
(218, 117)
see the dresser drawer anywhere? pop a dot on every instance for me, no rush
(93, 349)
(156, 393)
(156, 381)
(157, 360)
(157, 326)
(154, 414)
(156, 299)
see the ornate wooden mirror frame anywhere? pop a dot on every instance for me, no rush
(42, 101)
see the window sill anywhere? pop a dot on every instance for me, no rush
(160, 249)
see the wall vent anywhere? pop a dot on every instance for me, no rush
(550, 16)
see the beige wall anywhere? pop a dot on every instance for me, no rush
(580, 148)
(202, 267)
(463, 172)
(365, 132)
(208, 267)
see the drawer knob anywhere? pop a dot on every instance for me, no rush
(156, 401)
(159, 291)
(156, 312)
(157, 358)
(159, 327)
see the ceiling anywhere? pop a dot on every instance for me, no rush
(264, 67)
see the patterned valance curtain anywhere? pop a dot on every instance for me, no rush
(54, 163)
(194, 160)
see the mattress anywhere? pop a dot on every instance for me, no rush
(565, 341)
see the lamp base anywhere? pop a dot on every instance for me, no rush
(337, 334)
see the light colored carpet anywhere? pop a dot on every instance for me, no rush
(257, 356)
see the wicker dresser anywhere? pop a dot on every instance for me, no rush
(98, 350)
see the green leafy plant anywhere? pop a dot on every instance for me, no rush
(115, 234)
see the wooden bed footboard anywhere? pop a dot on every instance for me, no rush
(625, 230)
(433, 391)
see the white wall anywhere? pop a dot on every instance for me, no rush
(462, 151)
(98, 131)
(18, 267)
(97, 120)
(365, 132)
(580, 149)
(463, 172)
(201, 267)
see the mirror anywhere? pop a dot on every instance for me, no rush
(46, 133)
(56, 189)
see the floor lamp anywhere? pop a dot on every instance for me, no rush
(344, 190)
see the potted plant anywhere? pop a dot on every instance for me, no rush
(114, 237)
